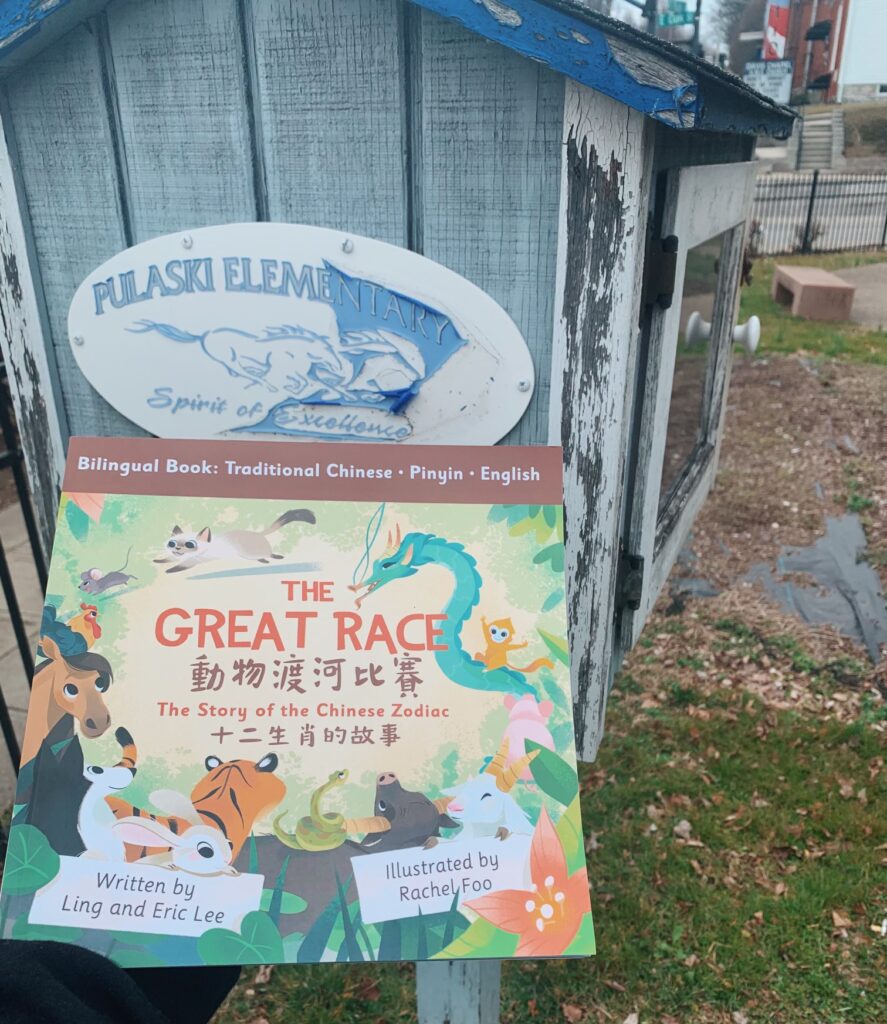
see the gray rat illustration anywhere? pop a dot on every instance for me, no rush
(94, 581)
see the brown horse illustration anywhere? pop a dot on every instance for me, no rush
(51, 783)
(66, 688)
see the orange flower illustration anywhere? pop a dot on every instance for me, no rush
(547, 916)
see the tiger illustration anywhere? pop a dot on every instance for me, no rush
(231, 797)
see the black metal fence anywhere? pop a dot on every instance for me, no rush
(11, 458)
(818, 211)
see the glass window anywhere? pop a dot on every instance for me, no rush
(686, 429)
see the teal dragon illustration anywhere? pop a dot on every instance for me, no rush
(404, 557)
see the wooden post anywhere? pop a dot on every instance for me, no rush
(458, 991)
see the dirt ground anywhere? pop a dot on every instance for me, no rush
(805, 439)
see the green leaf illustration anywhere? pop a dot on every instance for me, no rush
(569, 830)
(481, 939)
(30, 861)
(315, 942)
(77, 520)
(291, 945)
(552, 774)
(290, 903)
(557, 645)
(521, 527)
(23, 929)
(390, 941)
(351, 944)
(124, 957)
(452, 921)
(553, 599)
(257, 942)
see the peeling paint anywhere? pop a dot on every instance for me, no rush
(503, 14)
(21, 19)
(592, 263)
(629, 73)
(10, 272)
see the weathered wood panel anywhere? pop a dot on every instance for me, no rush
(57, 108)
(606, 174)
(176, 74)
(330, 104)
(489, 179)
(29, 363)
(699, 203)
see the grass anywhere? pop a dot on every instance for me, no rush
(769, 907)
(746, 917)
(865, 129)
(784, 333)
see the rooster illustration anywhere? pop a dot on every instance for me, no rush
(86, 623)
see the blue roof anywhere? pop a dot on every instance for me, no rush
(21, 20)
(648, 74)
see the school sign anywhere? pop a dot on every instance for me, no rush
(302, 332)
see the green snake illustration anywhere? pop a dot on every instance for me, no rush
(318, 830)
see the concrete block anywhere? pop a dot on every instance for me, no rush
(813, 293)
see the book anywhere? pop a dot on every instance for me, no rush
(302, 703)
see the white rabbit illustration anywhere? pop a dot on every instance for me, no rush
(199, 849)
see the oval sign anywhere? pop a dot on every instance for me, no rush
(300, 332)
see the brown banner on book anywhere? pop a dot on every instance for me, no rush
(372, 472)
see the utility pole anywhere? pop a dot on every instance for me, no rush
(650, 10)
(696, 45)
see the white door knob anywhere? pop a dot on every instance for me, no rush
(748, 335)
(697, 329)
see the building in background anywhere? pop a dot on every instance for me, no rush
(746, 37)
(862, 69)
(815, 33)
(838, 49)
(776, 30)
(836, 46)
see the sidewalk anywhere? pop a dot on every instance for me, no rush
(13, 681)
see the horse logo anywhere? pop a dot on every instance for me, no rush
(372, 368)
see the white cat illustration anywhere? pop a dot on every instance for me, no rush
(190, 549)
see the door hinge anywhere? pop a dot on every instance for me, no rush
(629, 582)
(660, 268)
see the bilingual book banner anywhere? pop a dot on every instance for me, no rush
(302, 703)
(299, 332)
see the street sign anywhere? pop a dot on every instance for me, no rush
(677, 14)
(671, 18)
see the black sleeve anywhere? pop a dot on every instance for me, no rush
(55, 983)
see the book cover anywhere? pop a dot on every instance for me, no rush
(302, 703)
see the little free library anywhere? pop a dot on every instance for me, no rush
(288, 262)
